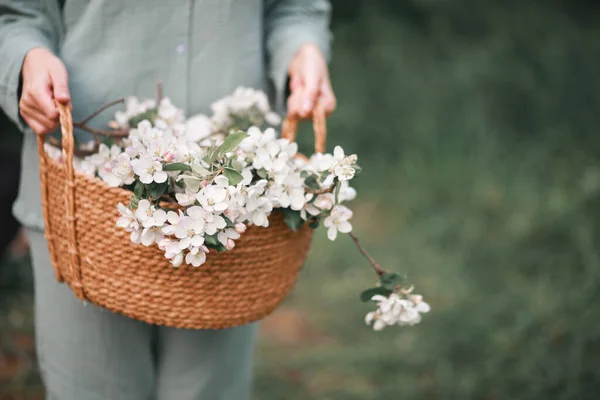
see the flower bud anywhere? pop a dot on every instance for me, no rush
(204, 249)
(240, 228)
(177, 260)
(204, 183)
(168, 157)
(230, 244)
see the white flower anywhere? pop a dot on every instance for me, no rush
(344, 172)
(122, 169)
(185, 199)
(172, 251)
(212, 222)
(149, 170)
(150, 235)
(214, 197)
(227, 236)
(189, 230)
(324, 201)
(289, 194)
(149, 216)
(394, 310)
(309, 210)
(196, 256)
(198, 127)
(338, 221)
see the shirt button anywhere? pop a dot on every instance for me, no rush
(180, 49)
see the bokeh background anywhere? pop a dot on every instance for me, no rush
(476, 125)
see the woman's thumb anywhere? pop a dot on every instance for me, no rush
(60, 83)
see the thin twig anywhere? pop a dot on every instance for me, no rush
(114, 133)
(321, 191)
(168, 198)
(380, 271)
(98, 111)
(159, 92)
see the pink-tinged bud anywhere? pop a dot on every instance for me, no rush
(169, 156)
(177, 260)
(240, 228)
(107, 167)
(204, 183)
(230, 244)
(204, 249)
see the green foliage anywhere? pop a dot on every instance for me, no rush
(366, 295)
(231, 142)
(155, 190)
(293, 219)
(232, 176)
(149, 115)
(176, 167)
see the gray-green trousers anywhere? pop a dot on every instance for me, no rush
(88, 353)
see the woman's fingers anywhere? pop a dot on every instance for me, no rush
(37, 121)
(327, 97)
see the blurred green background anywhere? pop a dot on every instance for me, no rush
(475, 122)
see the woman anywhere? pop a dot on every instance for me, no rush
(90, 52)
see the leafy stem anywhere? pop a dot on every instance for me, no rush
(380, 271)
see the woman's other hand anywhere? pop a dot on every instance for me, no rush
(309, 83)
(44, 81)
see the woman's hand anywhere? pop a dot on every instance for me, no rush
(45, 80)
(309, 83)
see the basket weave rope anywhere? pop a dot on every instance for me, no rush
(101, 264)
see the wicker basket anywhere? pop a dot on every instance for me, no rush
(101, 265)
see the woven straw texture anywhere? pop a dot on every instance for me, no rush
(101, 265)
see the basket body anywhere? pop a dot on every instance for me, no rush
(99, 262)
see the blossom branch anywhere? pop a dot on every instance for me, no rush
(98, 111)
(321, 191)
(380, 271)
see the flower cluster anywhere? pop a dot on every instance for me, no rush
(197, 183)
(396, 309)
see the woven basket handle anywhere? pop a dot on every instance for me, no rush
(290, 128)
(68, 148)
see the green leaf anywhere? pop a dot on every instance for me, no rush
(232, 141)
(211, 240)
(229, 223)
(390, 279)
(138, 190)
(293, 219)
(200, 170)
(150, 115)
(338, 185)
(237, 165)
(262, 173)
(133, 202)
(312, 183)
(176, 167)
(108, 141)
(191, 182)
(219, 247)
(155, 190)
(304, 174)
(369, 293)
(232, 176)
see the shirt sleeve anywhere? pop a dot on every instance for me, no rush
(24, 24)
(288, 25)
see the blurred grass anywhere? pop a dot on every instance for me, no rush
(475, 123)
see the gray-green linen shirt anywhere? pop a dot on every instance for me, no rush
(199, 49)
